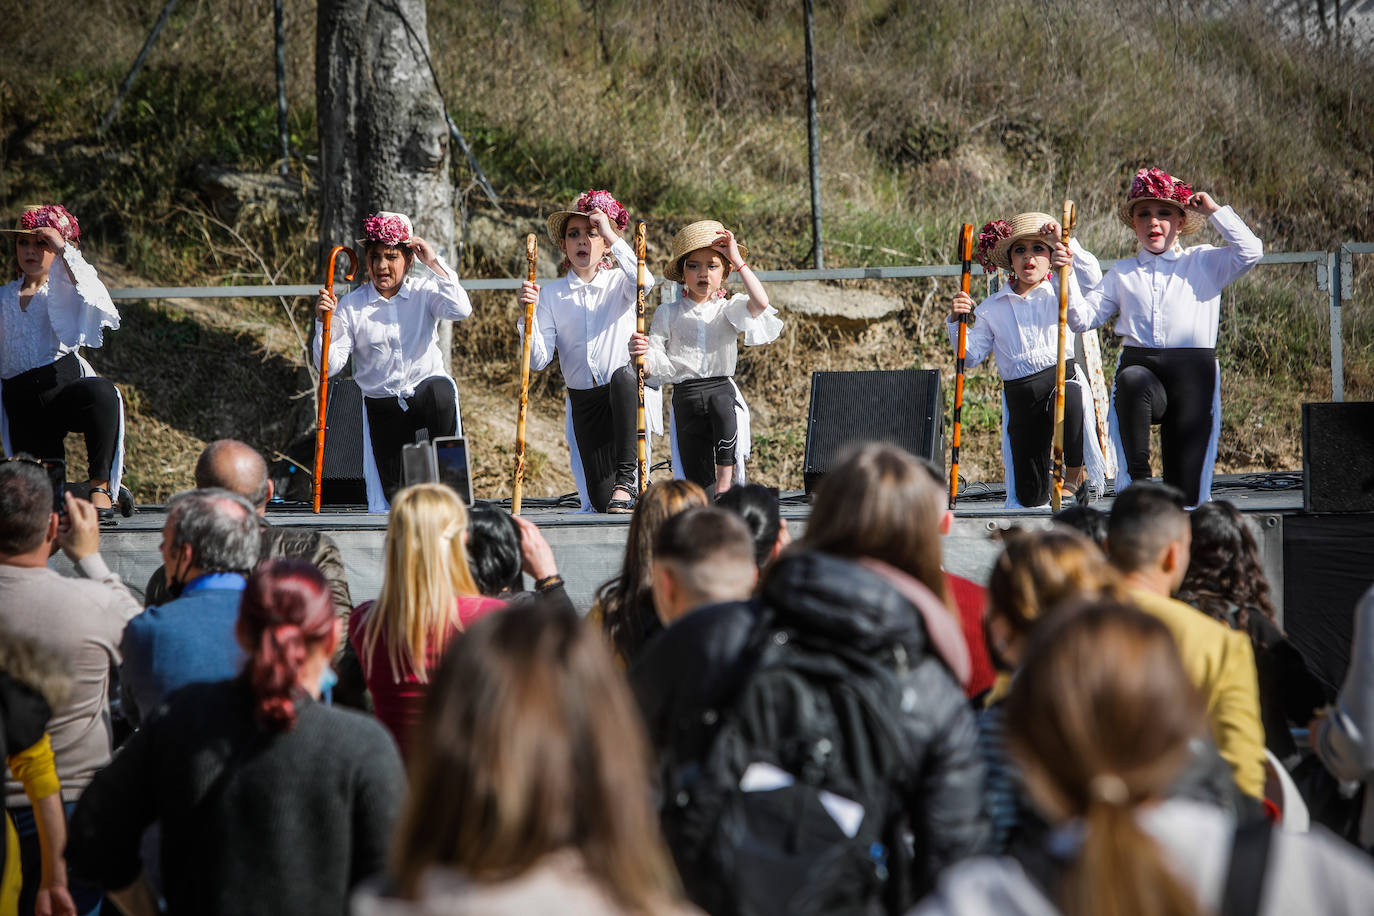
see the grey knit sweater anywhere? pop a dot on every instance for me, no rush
(252, 822)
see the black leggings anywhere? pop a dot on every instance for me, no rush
(46, 403)
(704, 414)
(1172, 388)
(432, 408)
(1030, 427)
(604, 426)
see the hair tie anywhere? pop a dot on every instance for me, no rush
(282, 632)
(1109, 789)
(451, 531)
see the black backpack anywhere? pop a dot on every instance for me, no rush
(796, 807)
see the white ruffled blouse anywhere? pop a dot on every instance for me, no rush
(71, 310)
(690, 340)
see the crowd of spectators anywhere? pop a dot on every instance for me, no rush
(751, 718)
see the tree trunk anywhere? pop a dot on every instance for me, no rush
(383, 134)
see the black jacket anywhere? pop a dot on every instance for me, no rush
(698, 662)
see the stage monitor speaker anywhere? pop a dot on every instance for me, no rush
(901, 406)
(1338, 457)
(341, 482)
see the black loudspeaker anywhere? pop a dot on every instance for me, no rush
(341, 482)
(1338, 457)
(902, 406)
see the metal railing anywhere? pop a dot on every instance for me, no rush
(1333, 269)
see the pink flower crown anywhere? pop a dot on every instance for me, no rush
(988, 237)
(1159, 184)
(54, 216)
(603, 201)
(389, 230)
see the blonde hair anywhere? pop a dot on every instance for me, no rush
(530, 743)
(1040, 569)
(1100, 720)
(426, 572)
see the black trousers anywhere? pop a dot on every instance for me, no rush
(1172, 388)
(1030, 427)
(46, 403)
(604, 426)
(704, 414)
(433, 408)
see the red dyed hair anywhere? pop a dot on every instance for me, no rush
(286, 610)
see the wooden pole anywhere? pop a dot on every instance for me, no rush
(325, 324)
(642, 435)
(531, 257)
(1057, 451)
(965, 274)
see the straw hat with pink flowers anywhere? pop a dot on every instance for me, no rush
(51, 216)
(1159, 185)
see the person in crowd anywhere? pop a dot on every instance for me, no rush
(849, 598)
(758, 506)
(79, 620)
(269, 801)
(1344, 737)
(56, 306)
(1148, 539)
(229, 464)
(703, 555)
(503, 548)
(1087, 521)
(1226, 581)
(1168, 300)
(428, 598)
(32, 684)
(1100, 720)
(529, 787)
(1037, 573)
(390, 326)
(1019, 326)
(209, 545)
(586, 317)
(693, 345)
(624, 606)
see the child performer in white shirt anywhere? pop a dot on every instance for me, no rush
(692, 345)
(1019, 324)
(391, 327)
(587, 317)
(1168, 299)
(56, 306)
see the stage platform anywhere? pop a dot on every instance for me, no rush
(588, 547)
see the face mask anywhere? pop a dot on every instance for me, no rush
(328, 680)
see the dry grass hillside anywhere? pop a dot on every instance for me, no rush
(932, 114)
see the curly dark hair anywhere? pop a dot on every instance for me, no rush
(1225, 579)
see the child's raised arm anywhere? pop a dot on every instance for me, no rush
(978, 343)
(545, 338)
(729, 249)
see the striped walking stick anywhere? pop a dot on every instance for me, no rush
(325, 324)
(965, 257)
(531, 257)
(641, 430)
(1057, 450)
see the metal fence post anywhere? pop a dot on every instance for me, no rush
(813, 136)
(1333, 287)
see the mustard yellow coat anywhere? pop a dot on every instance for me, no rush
(1221, 663)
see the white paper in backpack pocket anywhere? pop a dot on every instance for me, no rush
(764, 777)
(848, 814)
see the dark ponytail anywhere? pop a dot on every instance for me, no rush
(286, 610)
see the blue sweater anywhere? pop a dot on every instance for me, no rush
(185, 641)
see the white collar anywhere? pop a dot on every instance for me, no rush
(1173, 254)
(402, 293)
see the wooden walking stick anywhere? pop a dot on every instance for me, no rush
(325, 324)
(1057, 451)
(641, 430)
(966, 269)
(531, 256)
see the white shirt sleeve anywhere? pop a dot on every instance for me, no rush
(340, 339)
(977, 344)
(1242, 252)
(545, 339)
(656, 361)
(760, 329)
(79, 305)
(447, 298)
(1097, 305)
